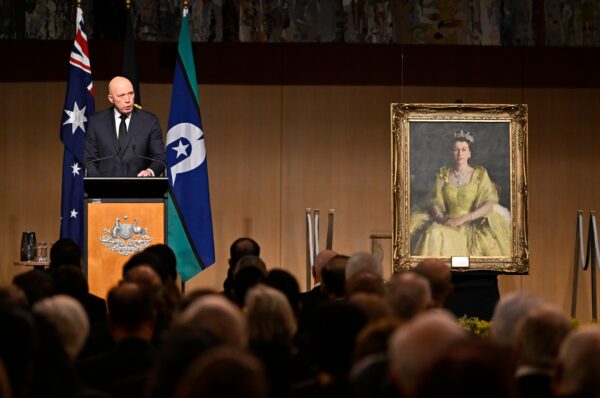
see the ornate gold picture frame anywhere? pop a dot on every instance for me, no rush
(459, 185)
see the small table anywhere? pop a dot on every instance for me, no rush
(37, 265)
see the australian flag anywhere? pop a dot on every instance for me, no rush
(79, 106)
(190, 232)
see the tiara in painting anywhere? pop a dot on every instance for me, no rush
(464, 135)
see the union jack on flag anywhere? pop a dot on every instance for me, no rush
(79, 106)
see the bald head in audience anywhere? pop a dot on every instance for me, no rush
(440, 279)
(408, 294)
(577, 372)
(415, 347)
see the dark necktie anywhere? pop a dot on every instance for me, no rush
(122, 132)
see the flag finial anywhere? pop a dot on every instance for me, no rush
(78, 3)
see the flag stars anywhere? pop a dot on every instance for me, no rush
(181, 149)
(76, 118)
(75, 168)
(74, 213)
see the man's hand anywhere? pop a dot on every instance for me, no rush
(145, 173)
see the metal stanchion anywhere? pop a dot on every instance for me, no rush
(329, 241)
(591, 257)
(309, 249)
(579, 261)
(312, 240)
(316, 234)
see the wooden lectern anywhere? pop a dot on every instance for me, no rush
(123, 216)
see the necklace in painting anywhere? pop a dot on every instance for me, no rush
(461, 177)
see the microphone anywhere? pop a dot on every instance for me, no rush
(97, 160)
(149, 158)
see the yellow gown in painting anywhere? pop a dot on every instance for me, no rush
(487, 236)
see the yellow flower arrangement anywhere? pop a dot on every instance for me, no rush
(475, 325)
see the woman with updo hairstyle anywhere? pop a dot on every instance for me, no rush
(462, 216)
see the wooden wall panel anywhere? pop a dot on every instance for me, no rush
(336, 154)
(275, 150)
(31, 162)
(564, 164)
(243, 143)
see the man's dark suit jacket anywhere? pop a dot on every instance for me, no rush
(144, 138)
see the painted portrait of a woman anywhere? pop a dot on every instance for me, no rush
(461, 215)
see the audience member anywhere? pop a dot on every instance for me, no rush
(369, 375)
(577, 372)
(320, 261)
(11, 298)
(122, 372)
(416, 346)
(363, 262)
(146, 278)
(440, 279)
(537, 341)
(194, 295)
(243, 281)
(19, 342)
(511, 309)
(36, 285)
(408, 295)
(166, 257)
(183, 344)
(470, 369)
(334, 278)
(68, 318)
(149, 259)
(65, 252)
(373, 306)
(365, 282)
(311, 299)
(217, 315)
(239, 248)
(271, 328)
(165, 296)
(288, 285)
(69, 280)
(224, 372)
(250, 261)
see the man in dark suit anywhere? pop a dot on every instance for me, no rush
(124, 141)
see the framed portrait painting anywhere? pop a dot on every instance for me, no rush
(459, 185)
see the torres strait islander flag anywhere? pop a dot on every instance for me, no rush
(79, 106)
(190, 232)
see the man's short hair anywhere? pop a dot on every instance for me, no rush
(362, 261)
(242, 247)
(167, 258)
(408, 294)
(129, 306)
(65, 252)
